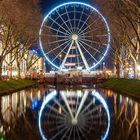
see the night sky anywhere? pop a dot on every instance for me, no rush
(47, 5)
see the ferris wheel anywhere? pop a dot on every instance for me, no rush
(74, 115)
(74, 35)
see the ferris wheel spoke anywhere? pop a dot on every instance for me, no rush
(54, 116)
(52, 129)
(65, 133)
(61, 106)
(97, 116)
(86, 126)
(82, 132)
(93, 116)
(99, 123)
(57, 47)
(68, 18)
(83, 57)
(59, 25)
(92, 36)
(91, 111)
(70, 133)
(91, 31)
(81, 104)
(66, 56)
(91, 47)
(88, 36)
(56, 36)
(59, 132)
(81, 31)
(95, 42)
(60, 52)
(88, 52)
(78, 133)
(57, 41)
(67, 104)
(87, 107)
(60, 121)
(51, 28)
(77, 102)
(63, 20)
(74, 19)
(80, 19)
(105, 35)
(55, 110)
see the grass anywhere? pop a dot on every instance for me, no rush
(127, 86)
(14, 85)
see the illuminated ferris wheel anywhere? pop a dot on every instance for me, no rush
(74, 115)
(74, 35)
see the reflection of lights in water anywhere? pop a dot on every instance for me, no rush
(46, 101)
(60, 110)
(74, 120)
(79, 93)
(34, 103)
(101, 99)
(109, 94)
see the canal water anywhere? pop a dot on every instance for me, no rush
(69, 113)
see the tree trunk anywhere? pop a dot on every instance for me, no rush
(18, 70)
(0, 72)
(118, 70)
(135, 70)
(25, 72)
(18, 73)
(10, 71)
(125, 72)
(1, 68)
(115, 71)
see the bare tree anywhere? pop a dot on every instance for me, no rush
(19, 23)
(123, 18)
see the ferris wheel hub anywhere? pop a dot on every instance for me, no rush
(74, 37)
(74, 121)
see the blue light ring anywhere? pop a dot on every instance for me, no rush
(48, 98)
(78, 3)
(103, 102)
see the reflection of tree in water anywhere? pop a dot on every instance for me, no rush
(22, 122)
(26, 127)
(20, 125)
(125, 123)
(18, 121)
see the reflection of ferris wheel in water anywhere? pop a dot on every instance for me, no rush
(74, 36)
(71, 115)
